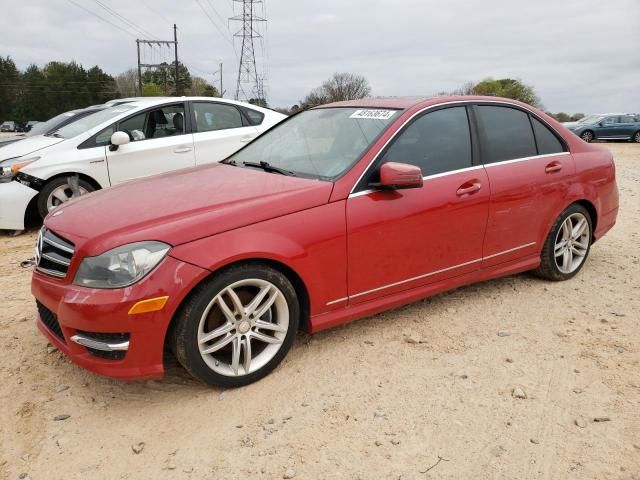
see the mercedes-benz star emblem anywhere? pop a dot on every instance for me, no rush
(38, 253)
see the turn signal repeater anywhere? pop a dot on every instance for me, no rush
(149, 305)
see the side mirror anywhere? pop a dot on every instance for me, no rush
(117, 139)
(400, 175)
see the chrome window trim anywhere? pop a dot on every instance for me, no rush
(456, 102)
(425, 275)
(523, 159)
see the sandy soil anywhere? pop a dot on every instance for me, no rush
(360, 401)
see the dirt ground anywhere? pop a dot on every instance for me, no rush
(360, 402)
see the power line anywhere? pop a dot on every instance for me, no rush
(101, 18)
(214, 23)
(124, 19)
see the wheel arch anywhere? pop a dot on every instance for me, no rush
(83, 176)
(296, 280)
(591, 209)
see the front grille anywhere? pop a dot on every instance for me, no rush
(50, 320)
(53, 254)
(107, 337)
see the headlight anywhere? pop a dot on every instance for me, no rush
(11, 166)
(122, 266)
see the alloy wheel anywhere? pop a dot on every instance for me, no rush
(572, 243)
(64, 193)
(636, 137)
(587, 136)
(243, 327)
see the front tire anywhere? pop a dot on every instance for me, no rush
(60, 190)
(587, 136)
(236, 327)
(567, 246)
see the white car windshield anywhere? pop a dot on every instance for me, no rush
(322, 143)
(90, 121)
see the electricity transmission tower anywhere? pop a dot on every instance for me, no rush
(247, 72)
(151, 43)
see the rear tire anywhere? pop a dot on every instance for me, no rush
(636, 137)
(587, 136)
(567, 246)
(237, 326)
(60, 190)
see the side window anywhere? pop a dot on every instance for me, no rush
(545, 138)
(167, 121)
(610, 121)
(627, 119)
(437, 142)
(507, 134)
(216, 116)
(255, 117)
(100, 139)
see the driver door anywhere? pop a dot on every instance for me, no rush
(401, 239)
(160, 142)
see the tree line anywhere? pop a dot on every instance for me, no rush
(41, 93)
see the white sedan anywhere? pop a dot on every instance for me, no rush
(120, 143)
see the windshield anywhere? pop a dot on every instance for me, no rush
(90, 121)
(44, 127)
(322, 143)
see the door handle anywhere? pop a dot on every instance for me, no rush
(246, 139)
(182, 149)
(553, 167)
(467, 189)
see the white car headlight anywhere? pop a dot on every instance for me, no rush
(11, 166)
(121, 266)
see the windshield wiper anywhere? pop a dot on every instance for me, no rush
(267, 167)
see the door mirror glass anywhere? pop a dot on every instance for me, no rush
(400, 175)
(119, 138)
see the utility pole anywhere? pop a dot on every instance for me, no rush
(139, 70)
(175, 45)
(151, 43)
(221, 91)
(247, 72)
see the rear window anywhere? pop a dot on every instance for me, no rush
(507, 134)
(255, 117)
(547, 141)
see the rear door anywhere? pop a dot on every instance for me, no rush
(529, 177)
(608, 127)
(627, 126)
(160, 142)
(219, 129)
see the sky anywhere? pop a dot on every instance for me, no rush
(579, 55)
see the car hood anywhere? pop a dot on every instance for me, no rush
(182, 206)
(27, 146)
(4, 141)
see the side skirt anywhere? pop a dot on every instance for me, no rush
(360, 310)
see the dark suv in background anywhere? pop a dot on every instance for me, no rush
(620, 126)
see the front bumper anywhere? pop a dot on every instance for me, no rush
(14, 200)
(75, 313)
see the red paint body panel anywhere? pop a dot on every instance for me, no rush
(355, 255)
(106, 311)
(398, 235)
(312, 243)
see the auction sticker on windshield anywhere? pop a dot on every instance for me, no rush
(375, 114)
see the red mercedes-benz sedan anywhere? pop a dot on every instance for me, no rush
(339, 212)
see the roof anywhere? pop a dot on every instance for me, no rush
(381, 102)
(409, 102)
